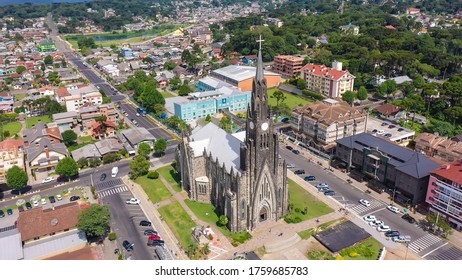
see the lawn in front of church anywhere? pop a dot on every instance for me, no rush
(301, 199)
(291, 100)
(154, 188)
(170, 174)
(179, 222)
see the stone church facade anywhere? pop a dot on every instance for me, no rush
(240, 174)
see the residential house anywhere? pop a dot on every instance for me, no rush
(61, 94)
(412, 11)
(131, 138)
(439, 147)
(83, 96)
(108, 146)
(391, 112)
(66, 121)
(275, 21)
(102, 130)
(444, 193)
(287, 65)
(41, 131)
(6, 102)
(249, 59)
(88, 117)
(46, 91)
(11, 154)
(322, 123)
(399, 170)
(43, 155)
(332, 82)
(87, 152)
(109, 67)
(350, 29)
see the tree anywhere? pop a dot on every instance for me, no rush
(94, 162)
(439, 222)
(184, 90)
(223, 220)
(362, 93)
(158, 110)
(139, 167)
(20, 69)
(208, 119)
(69, 138)
(226, 123)
(301, 84)
(160, 146)
(169, 65)
(82, 162)
(386, 88)
(48, 60)
(349, 97)
(108, 158)
(101, 119)
(16, 178)
(174, 83)
(67, 167)
(95, 220)
(280, 97)
(144, 149)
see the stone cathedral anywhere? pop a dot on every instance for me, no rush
(241, 173)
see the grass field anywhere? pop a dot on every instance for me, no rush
(19, 96)
(34, 120)
(12, 127)
(154, 188)
(291, 100)
(305, 234)
(365, 250)
(179, 222)
(299, 199)
(84, 139)
(167, 94)
(206, 213)
(171, 176)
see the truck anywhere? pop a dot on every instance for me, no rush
(114, 171)
(133, 201)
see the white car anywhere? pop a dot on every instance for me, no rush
(370, 218)
(322, 185)
(43, 201)
(291, 165)
(376, 223)
(47, 179)
(133, 201)
(383, 228)
(393, 209)
(59, 197)
(137, 114)
(401, 238)
(35, 203)
(365, 202)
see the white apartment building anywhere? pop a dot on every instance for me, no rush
(332, 82)
(11, 154)
(88, 95)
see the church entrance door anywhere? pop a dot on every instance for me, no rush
(263, 214)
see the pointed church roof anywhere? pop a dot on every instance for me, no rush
(259, 76)
(217, 142)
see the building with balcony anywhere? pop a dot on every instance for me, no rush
(444, 193)
(287, 65)
(83, 96)
(399, 170)
(44, 154)
(88, 117)
(11, 154)
(441, 148)
(332, 82)
(321, 123)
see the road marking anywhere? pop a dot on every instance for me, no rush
(375, 211)
(434, 250)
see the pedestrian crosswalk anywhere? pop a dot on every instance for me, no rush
(112, 191)
(362, 210)
(108, 184)
(423, 243)
(451, 253)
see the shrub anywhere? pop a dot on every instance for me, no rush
(297, 210)
(153, 175)
(112, 236)
(353, 254)
(120, 257)
(234, 243)
(210, 236)
(339, 258)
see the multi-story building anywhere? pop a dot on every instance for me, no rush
(43, 155)
(332, 82)
(322, 123)
(439, 147)
(242, 76)
(444, 193)
(88, 117)
(11, 154)
(47, 46)
(87, 95)
(287, 65)
(401, 171)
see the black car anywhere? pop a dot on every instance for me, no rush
(384, 124)
(52, 199)
(103, 177)
(391, 126)
(400, 129)
(388, 135)
(374, 131)
(408, 218)
(127, 245)
(289, 148)
(297, 152)
(156, 242)
(329, 192)
(310, 178)
(28, 205)
(285, 120)
(20, 209)
(74, 198)
(299, 172)
(392, 233)
(145, 223)
(9, 211)
(2, 214)
(150, 231)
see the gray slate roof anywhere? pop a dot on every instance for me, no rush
(87, 152)
(109, 146)
(137, 135)
(405, 160)
(35, 149)
(60, 116)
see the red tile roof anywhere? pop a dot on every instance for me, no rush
(323, 70)
(452, 172)
(390, 27)
(10, 144)
(388, 109)
(62, 92)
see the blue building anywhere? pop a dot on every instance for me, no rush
(211, 83)
(127, 52)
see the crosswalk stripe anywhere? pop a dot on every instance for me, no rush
(424, 242)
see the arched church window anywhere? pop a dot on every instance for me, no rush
(243, 208)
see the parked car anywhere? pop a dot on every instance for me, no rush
(145, 223)
(383, 228)
(402, 238)
(127, 245)
(133, 201)
(365, 202)
(299, 172)
(102, 177)
(376, 223)
(35, 203)
(43, 201)
(322, 185)
(289, 148)
(380, 132)
(329, 192)
(388, 135)
(408, 218)
(310, 178)
(400, 129)
(384, 124)
(59, 197)
(374, 131)
(150, 231)
(47, 179)
(74, 198)
(297, 152)
(155, 242)
(392, 233)
(2, 214)
(393, 209)
(20, 209)
(370, 218)
(291, 165)
(52, 199)
(10, 211)
(391, 126)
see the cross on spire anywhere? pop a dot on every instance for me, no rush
(259, 41)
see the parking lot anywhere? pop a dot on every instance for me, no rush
(389, 130)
